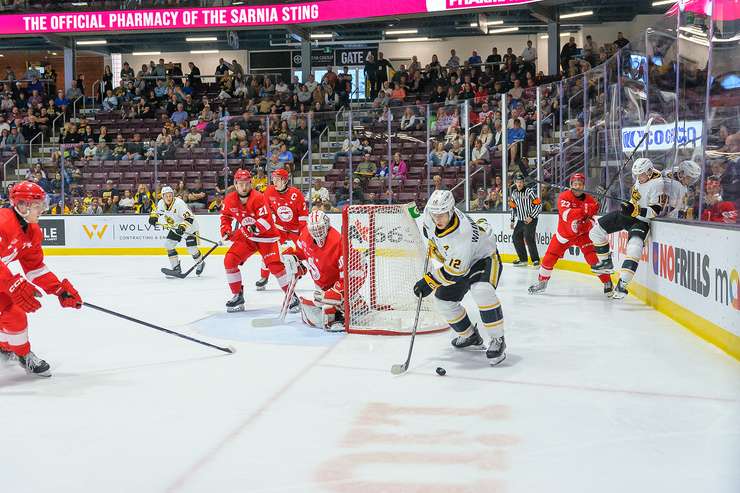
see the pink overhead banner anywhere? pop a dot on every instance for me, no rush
(230, 17)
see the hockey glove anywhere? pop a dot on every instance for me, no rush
(293, 266)
(629, 209)
(24, 294)
(180, 229)
(425, 286)
(590, 209)
(153, 220)
(68, 295)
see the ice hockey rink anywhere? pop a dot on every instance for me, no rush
(594, 396)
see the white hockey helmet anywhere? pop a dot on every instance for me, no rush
(167, 190)
(641, 165)
(691, 170)
(318, 226)
(441, 202)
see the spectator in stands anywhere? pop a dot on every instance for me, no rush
(110, 102)
(387, 115)
(126, 204)
(621, 41)
(219, 135)
(399, 169)
(145, 207)
(180, 115)
(73, 92)
(382, 66)
(197, 196)
(94, 207)
(439, 156)
(515, 141)
(496, 193)
(454, 61)
(367, 168)
(529, 57)
(568, 53)
(410, 121)
(110, 192)
(475, 58)
(480, 203)
(398, 95)
(285, 157)
(192, 139)
(479, 154)
(457, 155)
(216, 204)
(437, 181)
(259, 180)
(16, 143)
(318, 193)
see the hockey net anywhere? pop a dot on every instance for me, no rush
(384, 257)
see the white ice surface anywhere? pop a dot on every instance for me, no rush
(595, 396)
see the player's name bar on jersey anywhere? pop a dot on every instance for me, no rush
(227, 17)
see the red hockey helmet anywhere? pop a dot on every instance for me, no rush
(28, 191)
(577, 177)
(242, 175)
(281, 173)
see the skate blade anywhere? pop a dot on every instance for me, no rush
(618, 296)
(472, 347)
(497, 361)
(602, 271)
(234, 309)
(44, 374)
(260, 288)
(171, 274)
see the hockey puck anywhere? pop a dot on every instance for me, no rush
(441, 371)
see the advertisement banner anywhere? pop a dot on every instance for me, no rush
(663, 137)
(53, 230)
(229, 17)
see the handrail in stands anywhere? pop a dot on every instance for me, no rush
(17, 166)
(54, 123)
(30, 143)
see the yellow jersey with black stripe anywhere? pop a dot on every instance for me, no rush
(458, 246)
(175, 214)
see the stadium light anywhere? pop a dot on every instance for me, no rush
(401, 31)
(322, 36)
(140, 53)
(489, 23)
(503, 30)
(202, 52)
(584, 13)
(663, 2)
(201, 39)
(93, 42)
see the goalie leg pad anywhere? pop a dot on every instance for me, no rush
(317, 315)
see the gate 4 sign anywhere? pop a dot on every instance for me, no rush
(356, 56)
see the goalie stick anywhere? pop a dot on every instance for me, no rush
(269, 322)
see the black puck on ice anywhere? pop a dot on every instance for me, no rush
(441, 371)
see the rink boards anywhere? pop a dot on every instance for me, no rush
(688, 272)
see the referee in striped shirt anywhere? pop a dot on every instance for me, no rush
(525, 207)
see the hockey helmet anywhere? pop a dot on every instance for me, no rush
(28, 193)
(641, 165)
(577, 177)
(167, 190)
(441, 202)
(318, 226)
(242, 175)
(281, 173)
(691, 170)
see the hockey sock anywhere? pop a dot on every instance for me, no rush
(599, 237)
(234, 278)
(196, 256)
(633, 251)
(461, 324)
(544, 274)
(174, 259)
(264, 271)
(492, 317)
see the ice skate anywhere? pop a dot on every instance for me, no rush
(261, 283)
(538, 287)
(519, 263)
(603, 267)
(236, 304)
(34, 365)
(174, 272)
(199, 269)
(473, 339)
(609, 289)
(536, 263)
(496, 351)
(620, 291)
(295, 304)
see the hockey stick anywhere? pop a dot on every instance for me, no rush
(183, 275)
(228, 349)
(269, 322)
(399, 369)
(592, 192)
(632, 155)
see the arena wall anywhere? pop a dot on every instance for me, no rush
(689, 272)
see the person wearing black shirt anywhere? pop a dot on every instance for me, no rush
(194, 76)
(568, 52)
(438, 96)
(371, 75)
(223, 68)
(621, 41)
(383, 65)
(494, 60)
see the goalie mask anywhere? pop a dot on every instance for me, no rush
(318, 227)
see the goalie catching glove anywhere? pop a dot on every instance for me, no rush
(293, 266)
(425, 286)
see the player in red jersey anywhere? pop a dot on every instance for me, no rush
(575, 219)
(320, 246)
(255, 232)
(717, 210)
(20, 239)
(289, 213)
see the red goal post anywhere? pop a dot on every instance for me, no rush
(384, 256)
